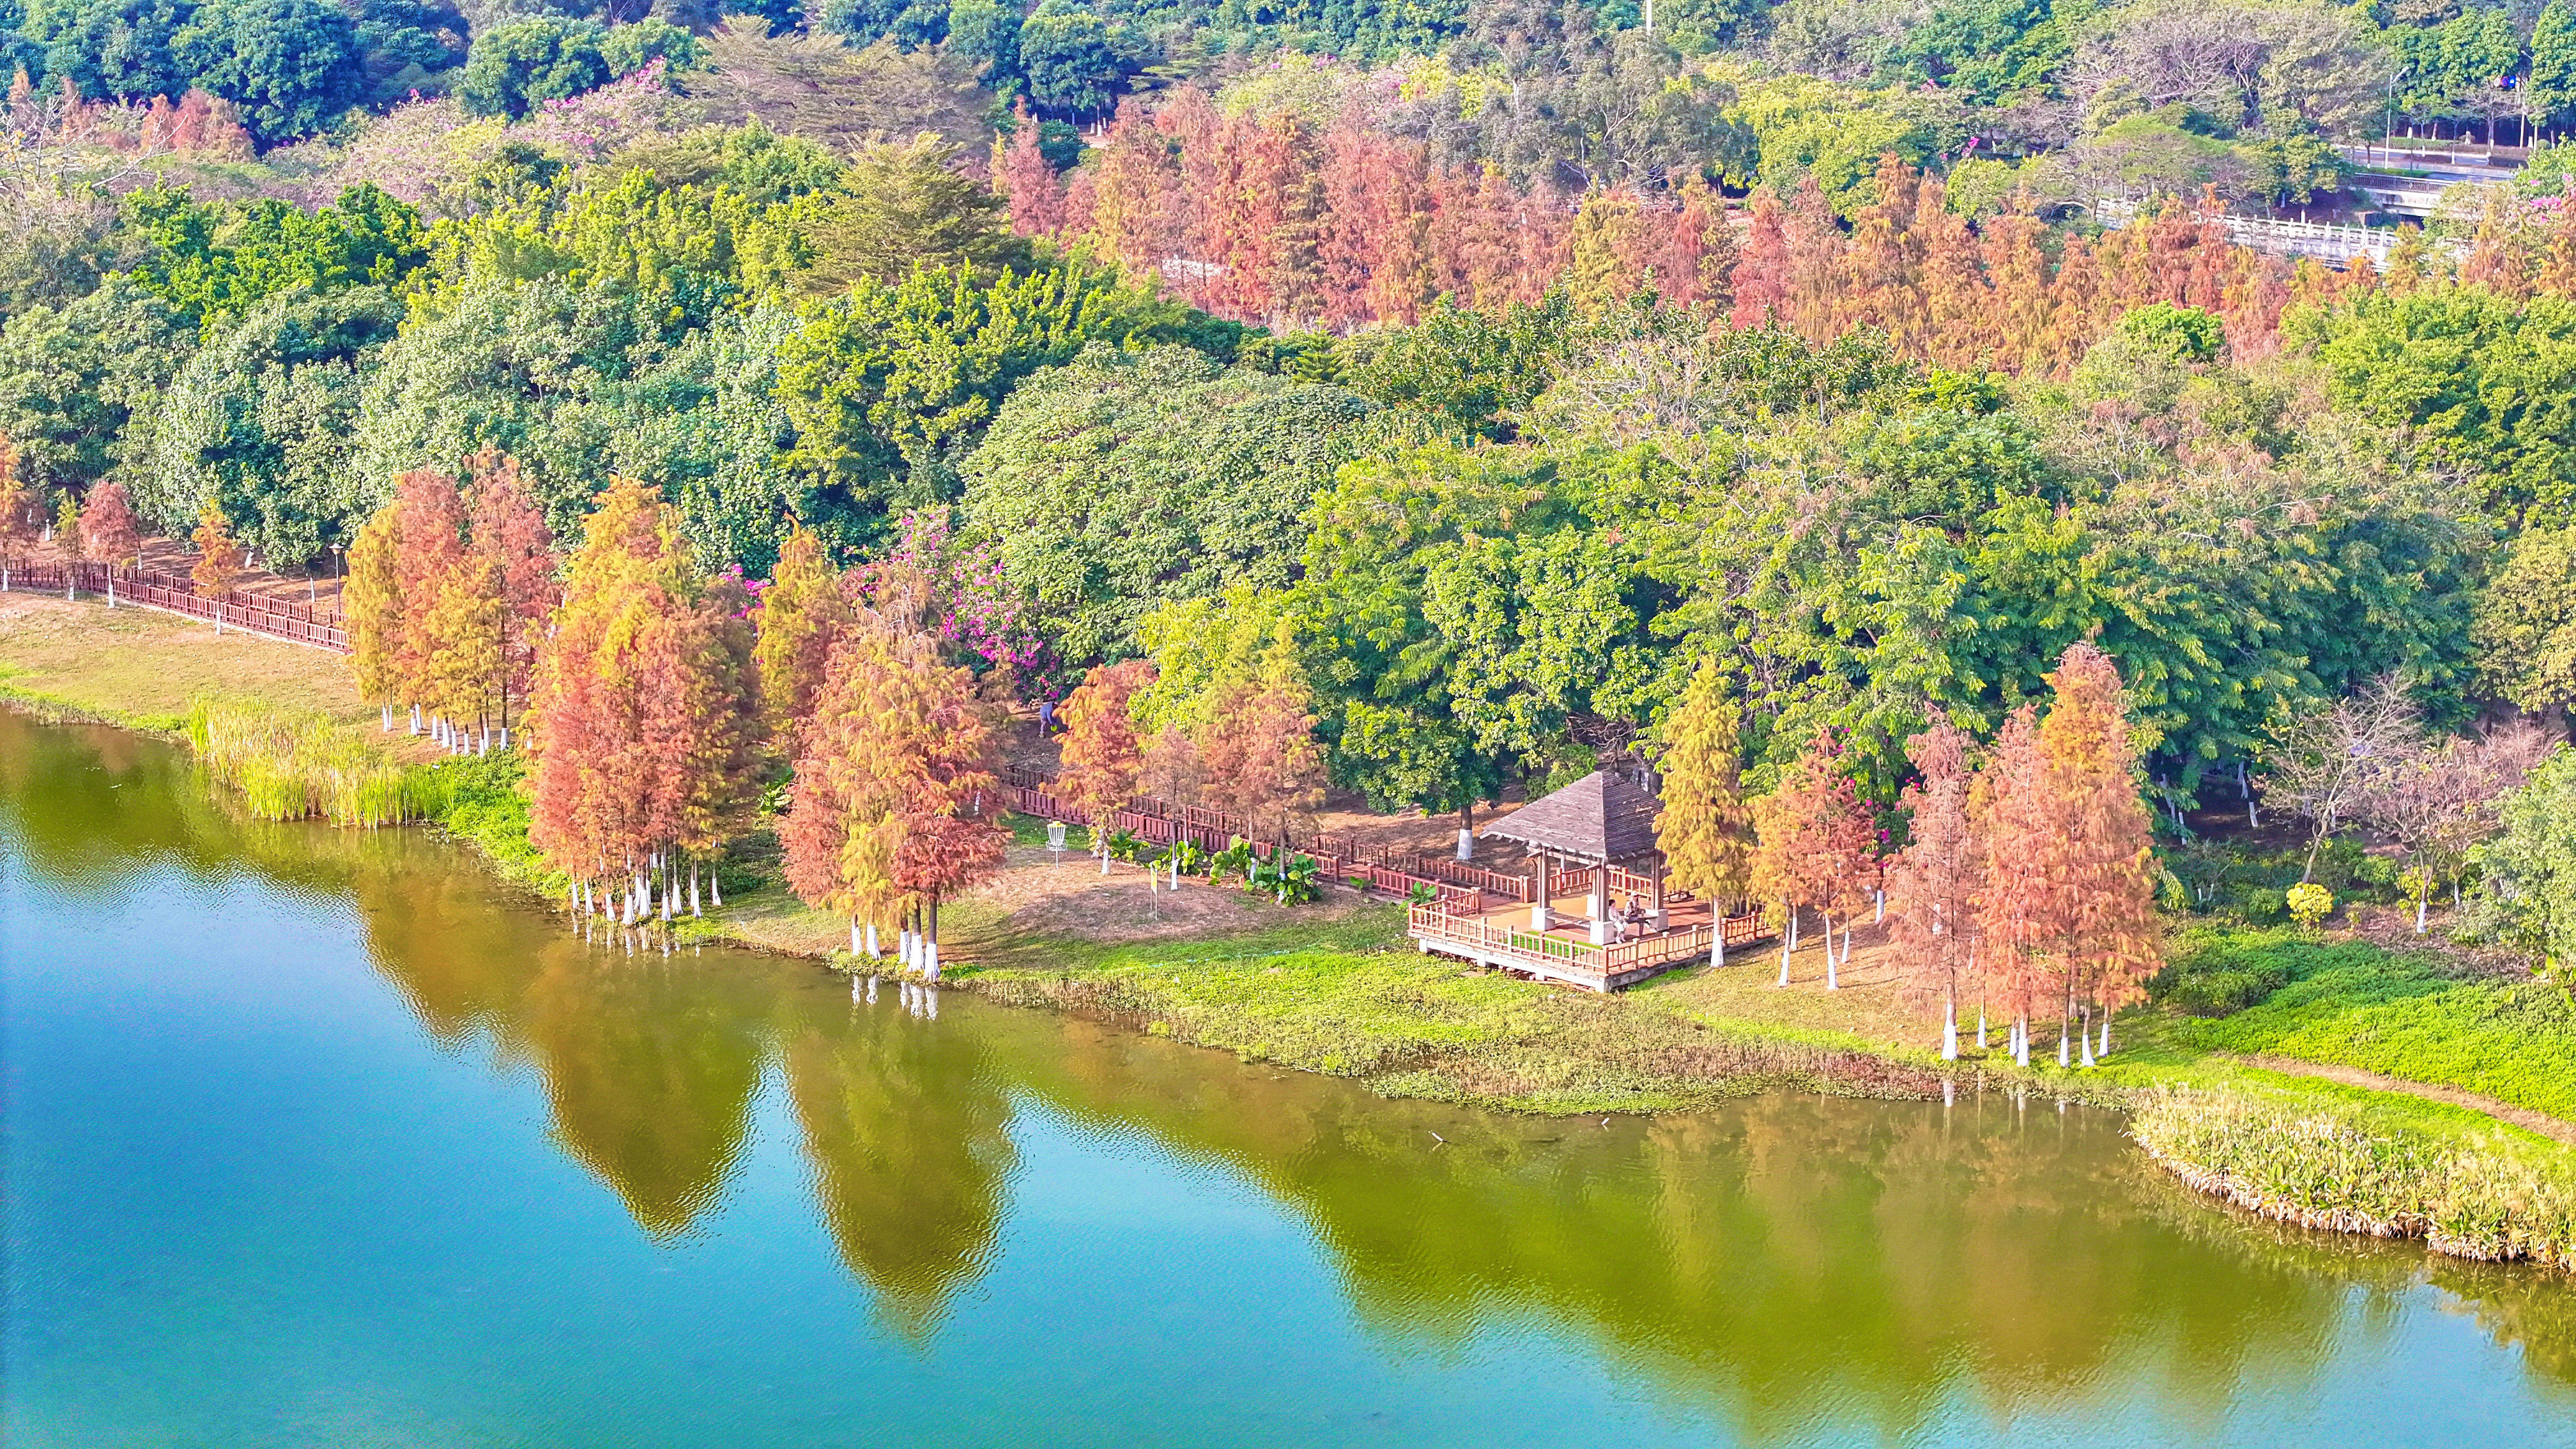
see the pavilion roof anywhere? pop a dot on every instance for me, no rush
(1601, 819)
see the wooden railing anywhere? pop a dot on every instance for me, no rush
(152, 589)
(1442, 923)
(1460, 887)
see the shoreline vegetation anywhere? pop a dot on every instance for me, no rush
(1336, 988)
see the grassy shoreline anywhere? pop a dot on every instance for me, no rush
(1342, 992)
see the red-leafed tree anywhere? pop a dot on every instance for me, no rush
(109, 530)
(219, 559)
(1257, 749)
(1932, 884)
(510, 542)
(1761, 279)
(801, 616)
(1816, 846)
(893, 808)
(2009, 812)
(2100, 865)
(18, 525)
(1029, 183)
(1102, 756)
(429, 549)
(644, 751)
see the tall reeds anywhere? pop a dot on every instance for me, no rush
(2350, 1168)
(300, 765)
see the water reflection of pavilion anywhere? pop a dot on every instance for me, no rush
(1597, 913)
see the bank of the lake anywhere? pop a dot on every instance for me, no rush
(1337, 989)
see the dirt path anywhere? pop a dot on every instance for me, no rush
(2522, 1117)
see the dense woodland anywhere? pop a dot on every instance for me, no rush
(739, 407)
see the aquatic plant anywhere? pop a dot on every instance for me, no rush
(2358, 1168)
(292, 764)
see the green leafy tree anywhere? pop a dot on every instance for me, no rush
(120, 49)
(79, 383)
(1127, 478)
(259, 425)
(2477, 376)
(2526, 623)
(2552, 73)
(2530, 868)
(626, 49)
(291, 67)
(1074, 64)
(214, 261)
(525, 63)
(900, 205)
(889, 387)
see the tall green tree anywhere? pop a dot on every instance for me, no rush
(1126, 478)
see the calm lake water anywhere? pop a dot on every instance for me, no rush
(322, 1138)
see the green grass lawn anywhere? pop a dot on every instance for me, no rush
(2406, 1014)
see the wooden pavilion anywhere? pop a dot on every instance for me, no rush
(1595, 912)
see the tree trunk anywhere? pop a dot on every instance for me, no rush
(1832, 981)
(2106, 1037)
(854, 935)
(1981, 1026)
(715, 887)
(2423, 899)
(873, 949)
(1788, 943)
(1950, 1029)
(931, 914)
(2084, 1034)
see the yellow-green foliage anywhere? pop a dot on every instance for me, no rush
(2369, 1166)
(299, 764)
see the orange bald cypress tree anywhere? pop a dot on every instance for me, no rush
(2009, 812)
(2101, 865)
(1816, 845)
(1932, 885)
(1102, 756)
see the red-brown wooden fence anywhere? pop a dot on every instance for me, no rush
(1457, 886)
(173, 593)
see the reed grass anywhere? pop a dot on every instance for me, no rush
(290, 764)
(2357, 1166)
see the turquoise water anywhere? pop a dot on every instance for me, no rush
(316, 1137)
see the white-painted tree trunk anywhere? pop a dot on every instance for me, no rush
(854, 935)
(1981, 1026)
(694, 908)
(2062, 1044)
(1949, 1030)
(1466, 845)
(930, 965)
(2106, 1037)
(873, 948)
(1881, 918)
(2084, 1034)
(1788, 943)
(389, 716)
(1833, 982)
(715, 887)
(2421, 902)
(415, 719)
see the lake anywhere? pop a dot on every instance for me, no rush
(320, 1137)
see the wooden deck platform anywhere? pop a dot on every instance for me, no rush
(1502, 937)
